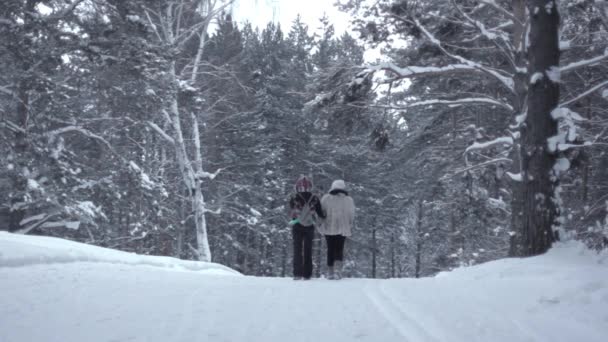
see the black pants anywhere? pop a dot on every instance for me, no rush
(335, 248)
(302, 250)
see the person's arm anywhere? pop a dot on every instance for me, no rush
(292, 204)
(319, 208)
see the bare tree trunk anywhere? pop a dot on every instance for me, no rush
(171, 32)
(539, 209)
(17, 213)
(392, 255)
(521, 90)
(181, 229)
(374, 253)
(419, 237)
(284, 257)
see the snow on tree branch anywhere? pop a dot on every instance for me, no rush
(486, 144)
(584, 94)
(567, 133)
(584, 63)
(602, 7)
(204, 174)
(12, 126)
(516, 177)
(152, 25)
(145, 180)
(500, 9)
(74, 225)
(6, 90)
(498, 29)
(494, 36)
(501, 76)
(161, 132)
(412, 71)
(218, 211)
(81, 130)
(63, 12)
(36, 221)
(484, 164)
(471, 100)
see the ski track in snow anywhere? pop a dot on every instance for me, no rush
(401, 321)
(558, 297)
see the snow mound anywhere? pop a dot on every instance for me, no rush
(24, 250)
(563, 256)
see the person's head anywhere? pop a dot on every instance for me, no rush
(303, 184)
(338, 184)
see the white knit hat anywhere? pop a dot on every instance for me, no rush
(338, 184)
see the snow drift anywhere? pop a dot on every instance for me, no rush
(22, 250)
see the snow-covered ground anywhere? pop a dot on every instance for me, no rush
(55, 290)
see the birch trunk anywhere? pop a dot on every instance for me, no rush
(189, 175)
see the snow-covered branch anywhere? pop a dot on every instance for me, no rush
(501, 76)
(6, 90)
(516, 177)
(161, 132)
(81, 130)
(202, 38)
(500, 9)
(34, 222)
(413, 71)
(486, 144)
(584, 94)
(584, 63)
(12, 126)
(602, 7)
(204, 174)
(217, 211)
(484, 164)
(493, 36)
(152, 25)
(498, 29)
(450, 103)
(471, 100)
(63, 12)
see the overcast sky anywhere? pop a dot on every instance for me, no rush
(260, 12)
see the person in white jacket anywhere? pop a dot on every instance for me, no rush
(339, 209)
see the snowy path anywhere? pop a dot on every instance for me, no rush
(561, 297)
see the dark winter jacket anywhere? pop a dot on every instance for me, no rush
(303, 206)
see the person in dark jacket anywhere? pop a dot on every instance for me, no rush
(305, 208)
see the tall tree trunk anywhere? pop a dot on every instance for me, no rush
(520, 108)
(17, 213)
(539, 208)
(284, 256)
(419, 237)
(192, 182)
(392, 255)
(373, 253)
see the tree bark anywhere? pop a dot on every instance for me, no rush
(539, 180)
(373, 253)
(419, 237)
(519, 106)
